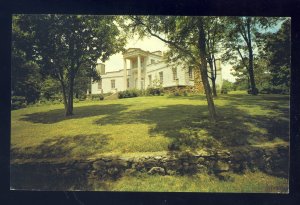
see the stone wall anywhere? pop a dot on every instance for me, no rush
(271, 161)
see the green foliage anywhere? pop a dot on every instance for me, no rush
(68, 46)
(227, 85)
(26, 79)
(178, 91)
(97, 97)
(278, 52)
(130, 93)
(50, 89)
(243, 40)
(241, 84)
(18, 102)
(81, 85)
(277, 89)
(186, 38)
(154, 91)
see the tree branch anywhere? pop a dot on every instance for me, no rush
(164, 40)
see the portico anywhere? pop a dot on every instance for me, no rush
(137, 61)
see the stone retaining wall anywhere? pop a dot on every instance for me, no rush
(271, 161)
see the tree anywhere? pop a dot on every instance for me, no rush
(65, 45)
(227, 85)
(241, 36)
(214, 36)
(278, 51)
(26, 78)
(186, 39)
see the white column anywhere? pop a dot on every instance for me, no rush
(139, 73)
(125, 74)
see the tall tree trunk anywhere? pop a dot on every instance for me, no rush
(203, 70)
(213, 82)
(64, 96)
(254, 90)
(69, 110)
(212, 77)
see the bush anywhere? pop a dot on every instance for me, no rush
(18, 102)
(270, 89)
(178, 91)
(224, 91)
(154, 91)
(131, 93)
(255, 91)
(97, 97)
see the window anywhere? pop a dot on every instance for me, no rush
(190, 73)
(174, 73)
(161, 77)
(99, 84)
(127, 82)
(113, 84)
(152, 61)
(150, 80)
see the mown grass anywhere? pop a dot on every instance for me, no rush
(148, 124)
(249, 182)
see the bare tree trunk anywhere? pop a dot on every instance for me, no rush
(65, 101)
(212, 77)
(69, 110)
(203, 70)
(254, 90)
(213, 82)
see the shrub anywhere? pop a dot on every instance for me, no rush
(224, 91)
(154, 91)
(270, 89)
(255, 91)
(178, 91)
(97, 97)
(131, 93)
(18, 102)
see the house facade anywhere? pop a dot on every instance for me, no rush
(143, 69)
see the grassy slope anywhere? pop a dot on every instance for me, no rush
(146, 124)
(149, 124)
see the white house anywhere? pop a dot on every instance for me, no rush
(143, 69)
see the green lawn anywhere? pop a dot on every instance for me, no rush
(249, 182)
(137, 126)
(147, 124)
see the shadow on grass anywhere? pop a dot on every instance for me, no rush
(267, 101)
(192, 97)
(57, 115)
(231, 131)
(62, 147)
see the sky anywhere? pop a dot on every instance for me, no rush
(115, 62)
